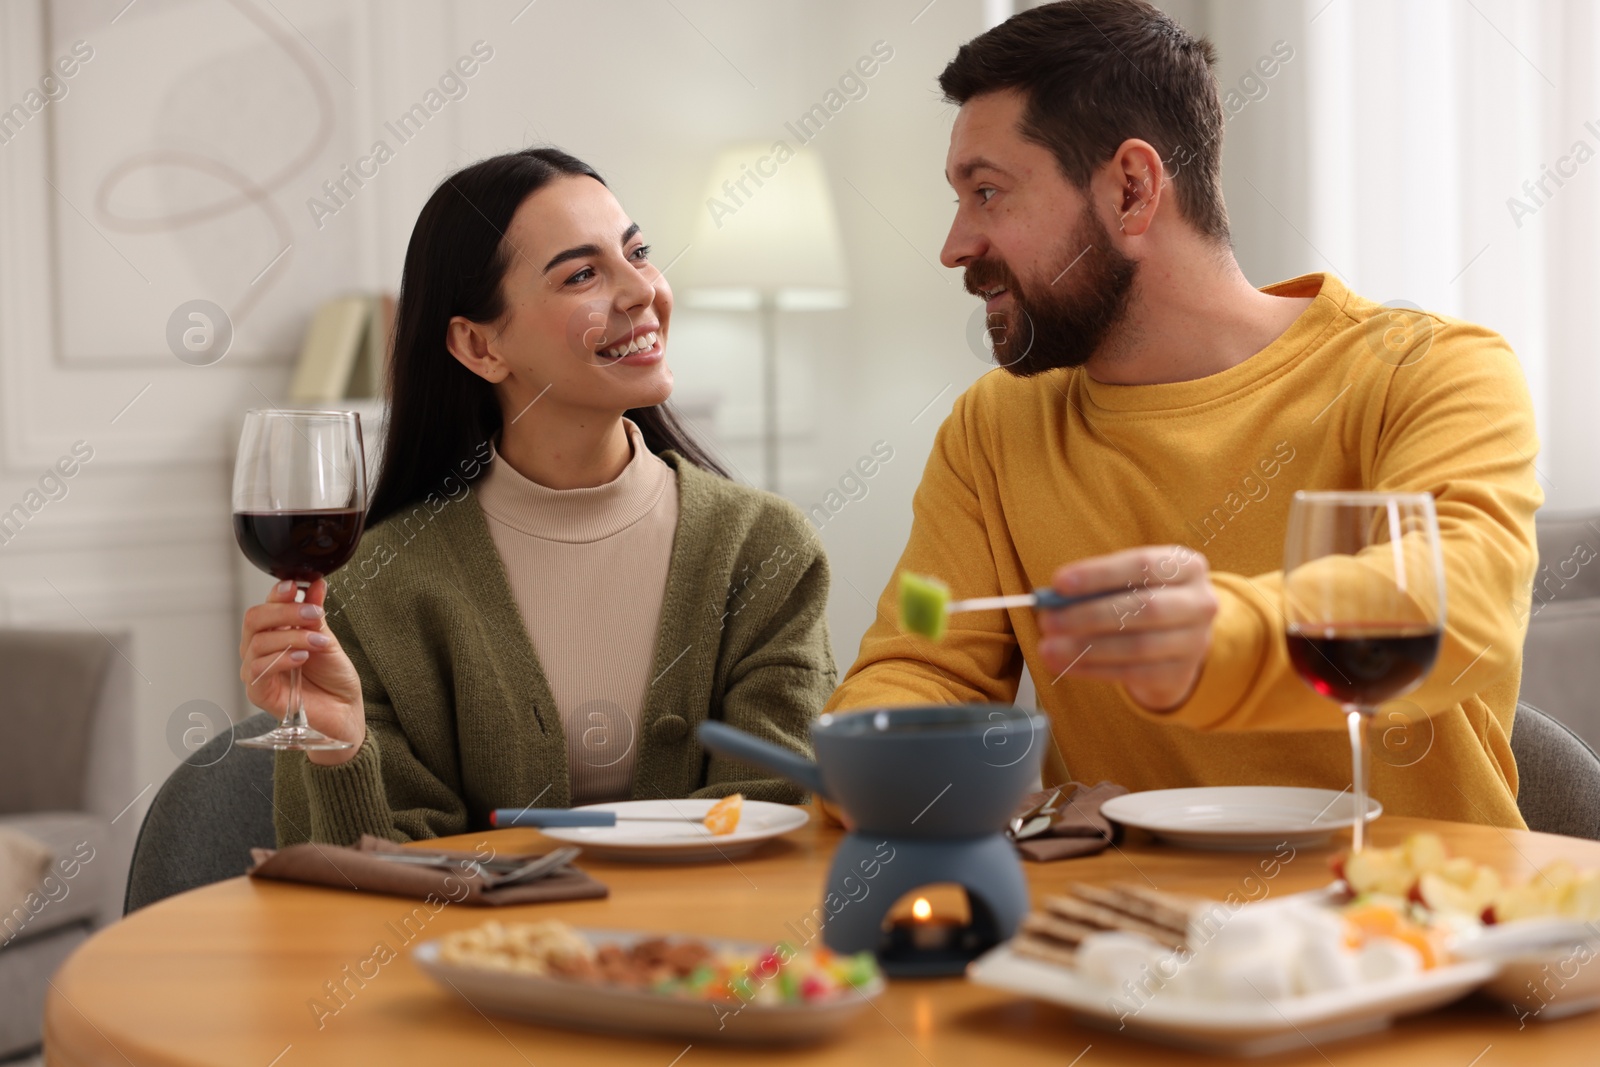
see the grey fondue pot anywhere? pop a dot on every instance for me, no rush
(938, 771)
(929, 789)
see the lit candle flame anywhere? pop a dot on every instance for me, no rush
(922, 909)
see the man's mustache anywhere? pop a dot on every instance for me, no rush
(984, 274)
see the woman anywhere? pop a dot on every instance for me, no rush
(556, 583)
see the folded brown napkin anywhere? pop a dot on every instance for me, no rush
(356, 868)
(1078, 828)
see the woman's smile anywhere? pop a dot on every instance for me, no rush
(644, 345)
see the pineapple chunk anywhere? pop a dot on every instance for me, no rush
(1424, 852)
(1379, 870)
(1533, 900)
(1461, 871)
(1559, 874)
(1581, 900)
(1436, 891)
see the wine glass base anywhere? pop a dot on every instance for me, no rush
(293, 739)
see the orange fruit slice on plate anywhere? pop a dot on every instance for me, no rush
(723, 818)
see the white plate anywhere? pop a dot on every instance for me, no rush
(1233, 1028)
(610, 1009)
(675, 842)
(1238, 817)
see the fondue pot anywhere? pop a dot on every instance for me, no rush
(929, 787)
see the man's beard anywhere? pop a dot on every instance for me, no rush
(1064, 322)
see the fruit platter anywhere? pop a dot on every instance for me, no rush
(1543, 931)
(1400, 931)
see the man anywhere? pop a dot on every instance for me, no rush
(1155, 414)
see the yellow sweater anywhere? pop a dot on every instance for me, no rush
(1028, 474)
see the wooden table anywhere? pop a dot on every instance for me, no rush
(226, 974)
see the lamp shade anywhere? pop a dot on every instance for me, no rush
(765, 228)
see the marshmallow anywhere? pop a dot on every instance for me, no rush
(1115, 957)
(1384, 958)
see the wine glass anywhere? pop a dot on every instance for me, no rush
(299, 504)
(1363, 606)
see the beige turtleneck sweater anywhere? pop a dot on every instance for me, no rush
(588, 570)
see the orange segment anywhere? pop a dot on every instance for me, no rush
(1373, 920)
(1422, 941)
(1368, 922)
(723, 818)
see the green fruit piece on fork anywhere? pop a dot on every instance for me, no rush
(923, 603)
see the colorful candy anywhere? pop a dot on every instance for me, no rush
(779, 975)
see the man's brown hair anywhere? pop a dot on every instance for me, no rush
(1097, 72)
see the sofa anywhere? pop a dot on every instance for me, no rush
(67, 781)
(1561, 655)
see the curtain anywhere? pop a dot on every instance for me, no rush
(1440, 153)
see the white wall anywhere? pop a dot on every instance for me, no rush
(722, 73)
(203, 101)
(262, 102)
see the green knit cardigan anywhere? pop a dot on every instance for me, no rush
(460, 719)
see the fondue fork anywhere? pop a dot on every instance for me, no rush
(563, 817)
(1040, 598)
(925, 603)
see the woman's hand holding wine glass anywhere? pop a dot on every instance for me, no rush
(278, 635)
(299, 505)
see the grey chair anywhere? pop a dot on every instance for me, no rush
(215, 807)
(1560, 776)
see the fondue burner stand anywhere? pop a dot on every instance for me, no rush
(929, 790)
(986, 867)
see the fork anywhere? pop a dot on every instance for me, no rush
(492, 876)
(533, 870)
(1036, 820)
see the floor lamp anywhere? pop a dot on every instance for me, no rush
(766, 239)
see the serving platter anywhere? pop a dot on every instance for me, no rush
(614, 1009)
(1549, 967)
(1238, 1028)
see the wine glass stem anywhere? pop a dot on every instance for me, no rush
(294, 716)
(1356, 718)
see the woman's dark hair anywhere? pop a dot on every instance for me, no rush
(1097, 72)
(441, 415)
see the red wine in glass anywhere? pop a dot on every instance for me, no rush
(299, 505)
(299, 546)
(1363, 664)
(1363, 606)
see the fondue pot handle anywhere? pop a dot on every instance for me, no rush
(721, 738)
